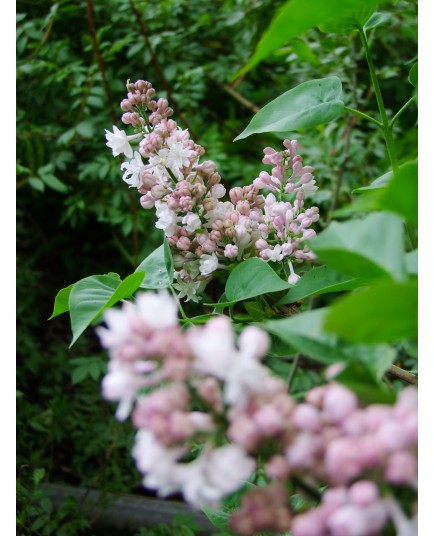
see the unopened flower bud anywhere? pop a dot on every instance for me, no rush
(236, 194)
(183, 243)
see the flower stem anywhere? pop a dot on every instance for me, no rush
(385, 124)
(399, 112)
(363, 115)
(181, 310)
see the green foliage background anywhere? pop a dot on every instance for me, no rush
(75, 217)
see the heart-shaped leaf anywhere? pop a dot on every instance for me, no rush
(384, 312)
(251, 278)
(61, 303)
(371, 247)
(297, 16)
(311, 103)
(400, 196)
(304, 332)
(156, 266)
(91, 296)
(320, 281)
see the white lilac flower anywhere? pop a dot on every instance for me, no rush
(213, 347)
(167, 219)
(215, 474)
(215, 354)
(293, 277)
(157, 310)
(133, 169)
(118, 142)
(187, 289)
(308, 188)
(158, 463)
(192, 222)
(178, 156)
(121, 385)
(218, 191)
(208, 264)
(275, 254)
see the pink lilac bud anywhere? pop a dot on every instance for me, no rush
(306, 417)
(342, 460)
(231, 251)
(335, 497)
(348, 520)
(244, 432)
(391, 436)
(183, 243)
(268, 420)
(363, 493)
(338, 403)
(254, 341)
(316, 396)
(278, 468)
(401, 469)
(236, 194)
(147, 201)
(308, 524)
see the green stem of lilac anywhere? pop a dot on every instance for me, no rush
(181, 310)
(363, 115)
(385, 124)
(399, 112)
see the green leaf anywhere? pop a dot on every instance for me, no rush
(126, 289)
(304, 332)
(371, 247)
(38, 475)
(255, 310)
(87, 298)
(347, 24)
(304, 52)
(85, 129)
(155, 266)
(297, 16)
(320, 281)
(385, 312)
(80, 374)
(311, 103)
(251, 278)
(54, 183)
(360, 379)
(366, 202)
(411, 262)
(377, 19)
(37, 184)
(381, 182)
(220, 520)
(413, 75)
(61, 303)
(168, 260)
(400, 195)
(91, 296)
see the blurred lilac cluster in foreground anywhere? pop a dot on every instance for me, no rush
(206, 233)
(202, 387)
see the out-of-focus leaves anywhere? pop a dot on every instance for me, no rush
(384, 312)
(400, 196)
(371, 247)
(297, 16)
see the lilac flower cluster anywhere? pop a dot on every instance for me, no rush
(201, 387)
(206, 233)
